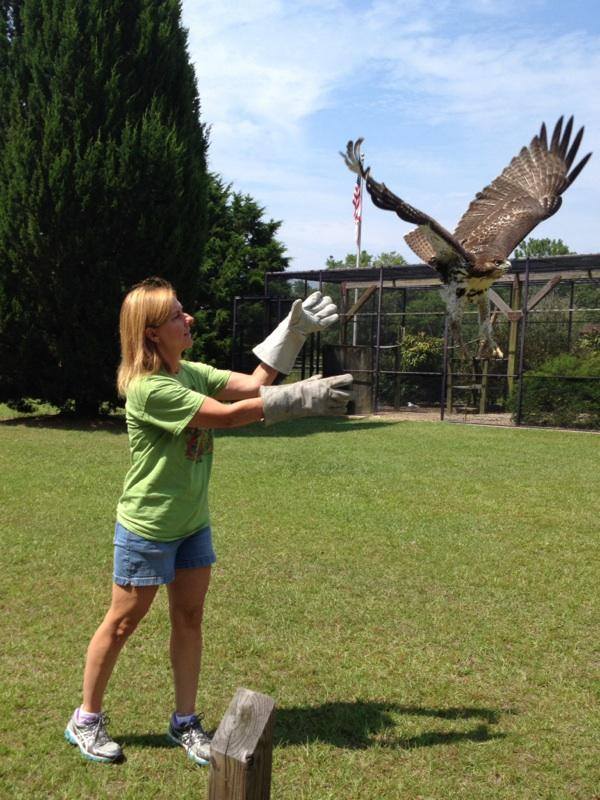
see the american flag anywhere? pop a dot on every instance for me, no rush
(357, 203)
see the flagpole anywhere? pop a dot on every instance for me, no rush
(359, 230)
(358, 247)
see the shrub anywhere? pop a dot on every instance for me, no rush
(419, 352)
(564, 392)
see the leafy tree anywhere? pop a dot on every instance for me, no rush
(349, 262)
(538, 248)
(241, 248)
(102, 182)
(389, 259)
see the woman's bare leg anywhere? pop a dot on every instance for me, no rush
(129, 606)
(186, 603)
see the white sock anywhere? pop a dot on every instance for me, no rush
(85, 717)
(182, 719)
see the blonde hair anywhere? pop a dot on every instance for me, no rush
(147, 304)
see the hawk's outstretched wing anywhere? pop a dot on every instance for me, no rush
(383, 198)
(526, 192)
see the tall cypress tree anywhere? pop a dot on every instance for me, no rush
(242, 246)
(102, 182)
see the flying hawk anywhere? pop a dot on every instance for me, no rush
(468, 262)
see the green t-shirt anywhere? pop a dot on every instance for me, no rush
(165, 494)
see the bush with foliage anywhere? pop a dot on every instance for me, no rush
(563, 392)
(418, 352)
(589, 340)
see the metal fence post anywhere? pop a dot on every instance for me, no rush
(522, 344)
(378, 344)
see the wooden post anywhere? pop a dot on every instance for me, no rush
(242, 749)
(513, 334)
(449, 385)
(484, 372)
(358, 304)
(343, 308)
(484, 387)
(397, 378)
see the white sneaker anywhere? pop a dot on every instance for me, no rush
(193, 738)
(93, 740)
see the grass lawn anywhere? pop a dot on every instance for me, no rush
(421, 599)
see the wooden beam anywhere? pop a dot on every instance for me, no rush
(360, 303)
(242, 749)
(507, 278)
(513, 332)
(543, 292)
(396, 283)
(499, 302)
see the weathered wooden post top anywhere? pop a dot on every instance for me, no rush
(242, 749)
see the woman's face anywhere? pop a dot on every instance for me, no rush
(174, 334)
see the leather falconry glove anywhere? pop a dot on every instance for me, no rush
(281, 347)
(314, 397)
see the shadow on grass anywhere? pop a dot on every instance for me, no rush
(69, 422)
(116, 424)
(307, 426)
(358, 726)
(362, 724)
(157, 741)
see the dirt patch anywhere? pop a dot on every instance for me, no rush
(433, 415)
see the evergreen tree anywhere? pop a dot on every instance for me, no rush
(240, 249)
(102, 183)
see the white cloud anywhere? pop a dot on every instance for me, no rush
(445, 92)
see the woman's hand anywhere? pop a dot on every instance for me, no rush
(315, 397)
(281, 347)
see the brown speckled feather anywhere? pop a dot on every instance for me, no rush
(383, 198)
(469, 261)
(526, 192)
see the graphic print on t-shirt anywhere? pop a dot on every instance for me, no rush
(199, 442)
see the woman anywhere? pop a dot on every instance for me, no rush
(163, 534)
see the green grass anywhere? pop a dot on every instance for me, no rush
(420, 599)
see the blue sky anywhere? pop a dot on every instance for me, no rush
(444, 93)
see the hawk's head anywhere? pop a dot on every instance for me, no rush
(492, 266)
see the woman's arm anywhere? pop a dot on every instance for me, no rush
(313, 397)
(213, 414)
(241, 386)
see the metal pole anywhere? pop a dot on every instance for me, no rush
(303, 351)
(444, 370)
(234, 333)
(522, 344)
(571, 303)
(267, 327)
(318, 336)
(378, 343)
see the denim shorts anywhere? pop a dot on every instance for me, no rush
(146, 562)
